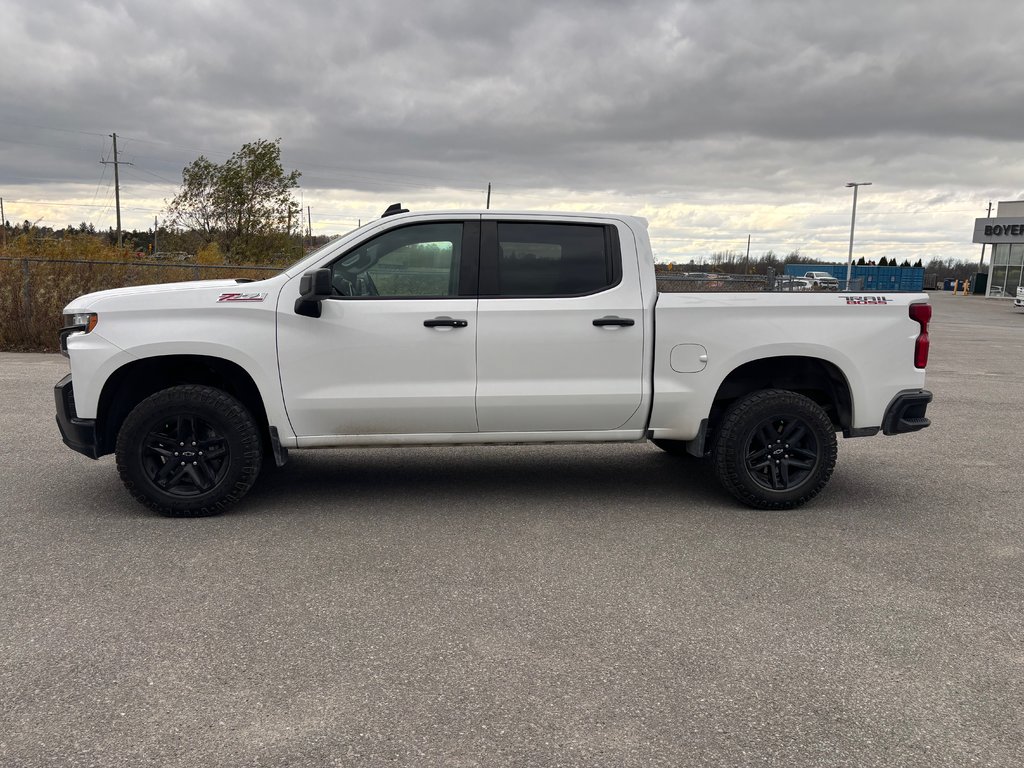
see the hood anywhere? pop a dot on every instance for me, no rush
(90, 300)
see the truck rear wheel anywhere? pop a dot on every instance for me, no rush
(189, 451)
(775, 449)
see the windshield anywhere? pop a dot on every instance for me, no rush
(332, 244)
(322, 249)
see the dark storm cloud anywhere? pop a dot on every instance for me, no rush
(652, 96)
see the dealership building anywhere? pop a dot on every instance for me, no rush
(1005, 235)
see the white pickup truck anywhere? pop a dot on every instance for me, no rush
(481, 327)
(823, 281)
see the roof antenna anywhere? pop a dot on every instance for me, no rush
(393, 209)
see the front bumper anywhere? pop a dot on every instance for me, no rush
(78, 434)
(906, 412)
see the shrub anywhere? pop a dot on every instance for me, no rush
(40, 276)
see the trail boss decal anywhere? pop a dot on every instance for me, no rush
(242, 297)
(866, 299)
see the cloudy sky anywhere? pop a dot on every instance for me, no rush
(714, 119)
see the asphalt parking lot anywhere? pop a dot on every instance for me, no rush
(528, 606)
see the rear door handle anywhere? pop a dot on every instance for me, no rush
(445, 322)
(602, 322)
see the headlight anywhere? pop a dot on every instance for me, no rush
(77, 322)
(82, 321)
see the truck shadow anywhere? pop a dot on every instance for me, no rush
(587, 476)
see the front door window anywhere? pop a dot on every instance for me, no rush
(419, 261)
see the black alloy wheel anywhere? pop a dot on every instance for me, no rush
(185, 456)
(775, 449)
(189, 451)
(781, 453)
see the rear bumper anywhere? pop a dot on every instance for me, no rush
(906, 412)
(78, 434)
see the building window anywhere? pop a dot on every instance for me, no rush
(1007, 268)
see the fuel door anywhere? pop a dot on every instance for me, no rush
(688, 358)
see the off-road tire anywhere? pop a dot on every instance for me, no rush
(775, 449)
(189, 451)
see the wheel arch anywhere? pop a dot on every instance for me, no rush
(133, 382)
(820, 380)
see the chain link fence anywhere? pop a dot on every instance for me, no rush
(685, 282)
(34, 290)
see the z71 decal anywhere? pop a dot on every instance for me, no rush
(867, 299)
(242, 297)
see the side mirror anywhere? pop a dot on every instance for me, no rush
(314, 287)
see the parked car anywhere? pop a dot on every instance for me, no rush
(822, 281)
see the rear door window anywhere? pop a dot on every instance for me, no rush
(538, 259)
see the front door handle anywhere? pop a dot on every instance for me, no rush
(445, 322)
(603, 322)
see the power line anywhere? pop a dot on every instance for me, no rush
(155, 142)
(156, 175)
(103, 173)
(84, 205)
(49, 128)
(107, 195)
(33, 143)
(347, 172)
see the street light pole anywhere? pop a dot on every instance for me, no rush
(853, 221)
(987, 216)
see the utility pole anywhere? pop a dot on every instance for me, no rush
(488, 195)
(3, 222)
(155, 228)
(117, 185)
(987, 216)
(309, 223)
(117, 191)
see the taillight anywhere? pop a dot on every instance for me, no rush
(922, 313)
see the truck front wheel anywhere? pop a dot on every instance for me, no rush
(775, 449)
(189, 451)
